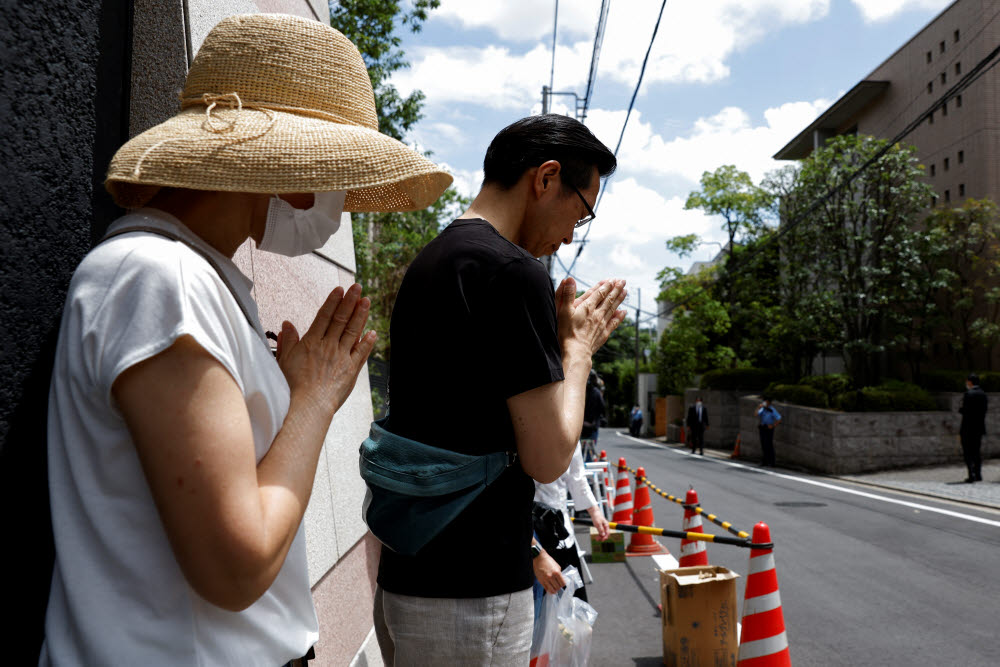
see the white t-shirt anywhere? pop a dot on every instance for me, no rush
(554, 494)
(118, 595)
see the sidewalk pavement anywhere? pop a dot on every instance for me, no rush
(940, 481)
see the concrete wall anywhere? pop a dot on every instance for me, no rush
(64, 110)
(723, 415)
(647, 402)
(851, 442)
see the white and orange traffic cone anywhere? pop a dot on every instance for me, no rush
(623, 496)
(693, 552)
(736, 448)
(763, 642)
(641, 544)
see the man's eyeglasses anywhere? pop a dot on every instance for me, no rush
(590, 212)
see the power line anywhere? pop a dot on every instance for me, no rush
(555, 27)
(589, 285)
(602, 21)
(621, 136)
(971, 77)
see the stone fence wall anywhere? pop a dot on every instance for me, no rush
(852, 442)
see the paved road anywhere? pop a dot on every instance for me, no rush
(867, 576)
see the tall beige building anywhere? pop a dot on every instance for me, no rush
(960, 143)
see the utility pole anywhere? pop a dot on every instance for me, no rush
(547, 259)
(638, 304)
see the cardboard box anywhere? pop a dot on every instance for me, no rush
(611, 550)
(699, 617)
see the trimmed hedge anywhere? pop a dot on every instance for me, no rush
(955, 381)
(831, 385)
(798, 394)
(726, 379)
(890, 396)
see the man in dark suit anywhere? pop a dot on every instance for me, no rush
(697, 422)
(973, 427)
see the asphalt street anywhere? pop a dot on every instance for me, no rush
(866, 576)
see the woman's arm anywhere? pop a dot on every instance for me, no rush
(230, 521)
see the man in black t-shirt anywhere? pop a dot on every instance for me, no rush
(486, 357)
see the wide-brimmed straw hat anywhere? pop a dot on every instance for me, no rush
(276, 104)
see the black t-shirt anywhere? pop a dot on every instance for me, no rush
(474, 323)
(593, 409)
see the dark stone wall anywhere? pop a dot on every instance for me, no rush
(63, 107)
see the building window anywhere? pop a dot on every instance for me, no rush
(930, 87)
(946, 164)
(961, 157)
(956, 35)
(928, 57)
(947, 196)
(930, 119)
(958, 101)
(941, 47)
(933, 200)
(944, 78)
(944, 109)
(961, 189)
(933, 170)
(958, 68)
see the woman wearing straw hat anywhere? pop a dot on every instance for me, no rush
(181, 453)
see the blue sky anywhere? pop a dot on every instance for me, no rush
(729, 82)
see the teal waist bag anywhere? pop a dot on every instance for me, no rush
(415, 490)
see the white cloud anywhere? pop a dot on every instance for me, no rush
(728, 137)
(881, 10)
(694, 43)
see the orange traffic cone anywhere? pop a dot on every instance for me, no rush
(736, 448)
(763, 642)
(693, 552)
(641, 544)
(623, 496)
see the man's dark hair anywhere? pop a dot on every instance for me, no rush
(974, 379)
(533, 140)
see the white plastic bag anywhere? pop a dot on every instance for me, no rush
(564, 628)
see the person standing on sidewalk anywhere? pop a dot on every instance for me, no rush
(476, 309)
(767, 419)
(697, 423)
(565, 552)
(593, 411)
(181, 452)
(973, 427)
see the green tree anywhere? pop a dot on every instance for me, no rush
(615, 363)
(694, 339)
(964, 259)
(858, 252)
(386, 243)
(731, 194)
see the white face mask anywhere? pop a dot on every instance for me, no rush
(292, 231)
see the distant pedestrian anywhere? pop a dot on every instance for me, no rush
(767, 419)
(593, 410)
(973, 428)
(635, 422)
(697, 423)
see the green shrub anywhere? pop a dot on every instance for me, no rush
(890, 396)
(798, 394)
(955, 381)
(831, 385)
(752, 379)
(943, 380)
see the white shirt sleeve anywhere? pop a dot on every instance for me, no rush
(576, 482)
(159, 290)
